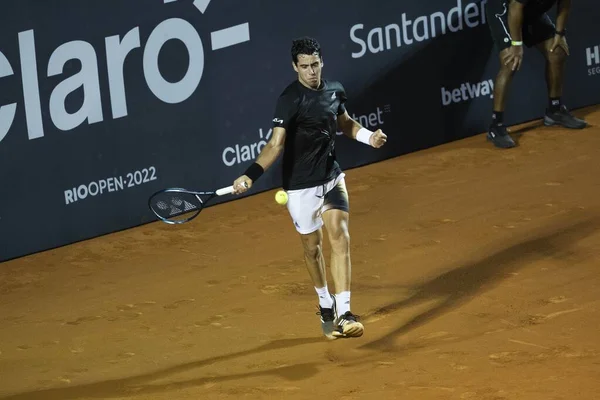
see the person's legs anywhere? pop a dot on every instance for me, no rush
(501, 85)
(303, 206)
(556, 113)
(336, 218)
(497, 132)
(555, 66)
(310, 209)
(543, 33)
(336, 224)
(497, 13)
(312, 244)
(314, 260)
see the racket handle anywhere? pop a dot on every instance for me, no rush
(225, 190)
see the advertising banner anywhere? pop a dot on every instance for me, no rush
(103, 103)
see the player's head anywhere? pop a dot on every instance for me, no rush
(307, 61)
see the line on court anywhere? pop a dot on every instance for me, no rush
(230, 36)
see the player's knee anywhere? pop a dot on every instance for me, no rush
(312, 246)
(556, 57)
(340, 239)
(313, 251)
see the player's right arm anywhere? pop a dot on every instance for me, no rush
(273, 149)
(514, 55)
(285, 111)
(268, 155)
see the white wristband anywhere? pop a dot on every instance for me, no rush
(364, 136)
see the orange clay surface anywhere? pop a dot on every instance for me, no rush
(475, 272)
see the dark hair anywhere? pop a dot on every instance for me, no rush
(305, 45)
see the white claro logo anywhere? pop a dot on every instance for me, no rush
(117, 50)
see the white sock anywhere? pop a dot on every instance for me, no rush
(342, 302)
(325, 300)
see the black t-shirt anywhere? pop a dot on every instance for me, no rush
(309, 117)
(534, 8)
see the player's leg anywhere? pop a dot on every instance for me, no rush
(502, 83)
(312, 244)
(336, 224)
(336, 219)
(303, 206)
(497, 14)
(543, 33)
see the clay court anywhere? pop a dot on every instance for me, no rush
(475, 272)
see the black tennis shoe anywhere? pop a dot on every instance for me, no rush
(563, 118)
(498, 135)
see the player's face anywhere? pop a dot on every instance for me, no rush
(309, 70)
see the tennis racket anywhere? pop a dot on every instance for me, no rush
(179, 205)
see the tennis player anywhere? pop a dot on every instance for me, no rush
(513, 24)
(308, 114)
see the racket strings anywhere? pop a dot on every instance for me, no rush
(170, 205)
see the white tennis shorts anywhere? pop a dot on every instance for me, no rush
(306, 206)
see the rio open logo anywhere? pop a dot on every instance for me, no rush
(117, 48)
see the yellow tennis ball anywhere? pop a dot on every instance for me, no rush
(281, 197)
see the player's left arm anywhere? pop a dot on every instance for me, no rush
(562, 14)
(354, 130)
(563, 7)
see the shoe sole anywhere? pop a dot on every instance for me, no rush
(551, 122)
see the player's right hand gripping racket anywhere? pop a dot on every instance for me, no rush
(178, 205)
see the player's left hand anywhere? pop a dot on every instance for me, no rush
(559, 42)
(378, 139)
